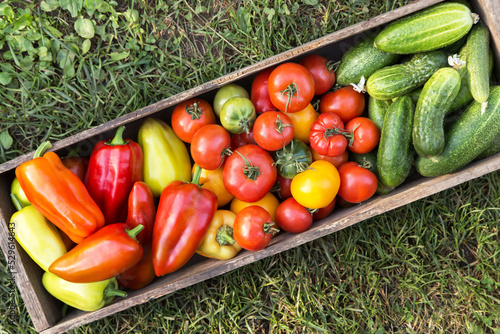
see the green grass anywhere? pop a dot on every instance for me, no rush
(429, 267)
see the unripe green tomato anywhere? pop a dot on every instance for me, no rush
(225, 93)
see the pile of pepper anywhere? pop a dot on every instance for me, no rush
(219, 178)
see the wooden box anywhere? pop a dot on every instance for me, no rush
(45, 310)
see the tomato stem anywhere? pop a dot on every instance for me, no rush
(332, 66)
(224, 236)
(250, 171)
(194, 110)
(269, 228)
(245, 124)
(291, 91)
(280, 126)
(332, 131)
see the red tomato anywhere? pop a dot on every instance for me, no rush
(345, 102)
(259, 94)
(281, 187)
(273, 130)
(337, 161)
(293, 217)
(253, 228)
(249, 173)
(291, 87)
(210, 146)
(357, 184)
(322, 72)
(242, 139)
(365, 135)
(189, 116)
(326, 136)
(325, 211)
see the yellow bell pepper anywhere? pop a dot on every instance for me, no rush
(166, 157)
(36, 235)
(212, 180)
(83, 296)
(219, 242)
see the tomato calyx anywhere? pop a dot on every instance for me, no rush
(312, 211)
(269, 228)
(332, 131)
(280, 126)
(246, 125)
(291, 91)
(226, 151)
(224, 236)
(250, 171)
(194, 110)
(332, 65)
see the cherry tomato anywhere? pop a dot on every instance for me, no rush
(225, 93)
(325, 211)
(345, 102)
(259, 94)
(242, 139)
(302, 121)
(337, 161)
(322, 71)
(249, 173)
(268, 202)
(291, 87)
(273, 130)
(253, 228)
(189, 116)
(365, 135)
(317, 186)
(210, 146)
(357, 184)
(282, 187)
(212, 180)
(327, 136)
(293, 217)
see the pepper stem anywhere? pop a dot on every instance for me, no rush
(196, 176)
(135, 231)
(17, 203)
(41, 149)
(224, 236)
(111, 291)
(269, 228)
(118, 139)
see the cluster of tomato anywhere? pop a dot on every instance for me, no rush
(270, 149)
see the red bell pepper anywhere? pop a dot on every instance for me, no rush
(141, 274)
(183, 217)
(141, 211)
(104, 254)
(114, 166)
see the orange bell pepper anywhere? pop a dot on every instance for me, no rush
(58, 194)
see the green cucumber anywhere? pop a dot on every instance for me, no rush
(492, 149)
(361, 61)
(395, 151)
(478, 48)
(427, 30)
(377, 110)
(396, 80)
(436, 98)
(464, 96)
(467, 138)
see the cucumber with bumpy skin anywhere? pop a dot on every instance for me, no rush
(435, 100)
(478, 48)
(377, 110)
(427, 30)
(395, 151)
(361, 61)
(396, 80)
(472, 133)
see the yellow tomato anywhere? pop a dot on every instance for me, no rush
(212, 180)
(317, 186)
(268, 202)
(302, 121)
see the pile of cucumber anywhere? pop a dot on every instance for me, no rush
(428, 77)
